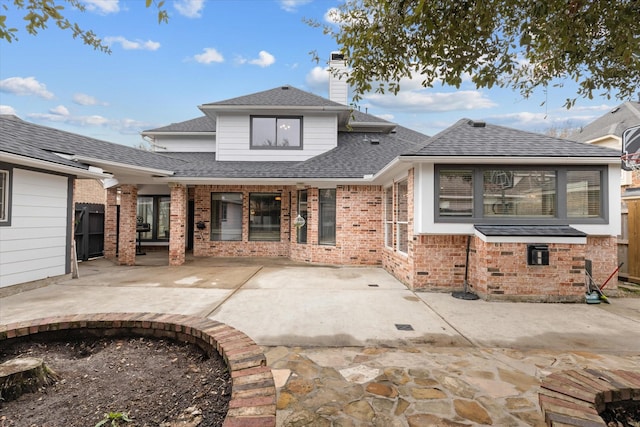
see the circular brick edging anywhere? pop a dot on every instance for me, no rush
(253, 393)
(577, 397)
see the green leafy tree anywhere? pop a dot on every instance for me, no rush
(522, 44)
(39, 14)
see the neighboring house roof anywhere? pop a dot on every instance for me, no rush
(204, 124)
(467, 138)
(612, 123)
(40, 142)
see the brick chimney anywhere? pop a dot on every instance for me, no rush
(338, 87)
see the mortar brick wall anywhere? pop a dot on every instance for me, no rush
(178, 224)
(401, 265)
(89, 191)
(127, 233)
(111, 224)
(359, 230)
(502, 272)
(603, 253)
(203, 246)
(439, 262)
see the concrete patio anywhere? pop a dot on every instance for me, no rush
(336, 336)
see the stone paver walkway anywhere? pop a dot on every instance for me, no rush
(419, 386)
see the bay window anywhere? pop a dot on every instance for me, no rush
(523, 195)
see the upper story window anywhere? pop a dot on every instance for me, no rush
(276, 132)
(4, 197)
(523, 195)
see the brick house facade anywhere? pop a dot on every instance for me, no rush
(285, 173)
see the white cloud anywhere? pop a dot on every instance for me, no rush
(7, 109)
(82, 121)
(132, 45)
(332, 16)
(292, 5)
(318, 79)
(189, 8)
(84, 99)
(425, 101)
(210, 55)
(102, 6)
(25, 86)
(541, 121)
(60, 110)
(264, 59)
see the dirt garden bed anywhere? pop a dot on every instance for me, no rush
(253, 393)
(151, 382)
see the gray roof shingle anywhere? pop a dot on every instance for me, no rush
(613, 122)
(280, 96)
(40, 142)
(199, 124)
(467, 138)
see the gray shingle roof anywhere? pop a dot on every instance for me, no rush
(199, 124)
(354, 157)
(614, 122)
(40, 142)
(467, 138)
(280, 96)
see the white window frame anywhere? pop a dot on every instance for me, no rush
(400, 239)
(5, 200)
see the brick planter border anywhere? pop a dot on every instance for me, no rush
(577, 397)
(253, 393)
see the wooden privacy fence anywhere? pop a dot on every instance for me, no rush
(89, 230)
(629, 242)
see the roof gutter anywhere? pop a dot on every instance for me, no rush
(47, 165)
(151, 171)
(331, 182)
(491, 160)
(177, 133)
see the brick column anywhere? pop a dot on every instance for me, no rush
(178, 227)
(111, 224)
(127, 235)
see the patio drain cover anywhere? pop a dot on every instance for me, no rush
(373, 285)
(404, 327)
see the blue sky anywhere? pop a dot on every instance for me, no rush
(213, 50)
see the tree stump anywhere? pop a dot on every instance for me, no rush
(24, 375)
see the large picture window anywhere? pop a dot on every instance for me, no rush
(264, 217)
(520, 195)
(276, 132)
(327, 217)
(4, 197)
(226, 216)
(155, 211)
